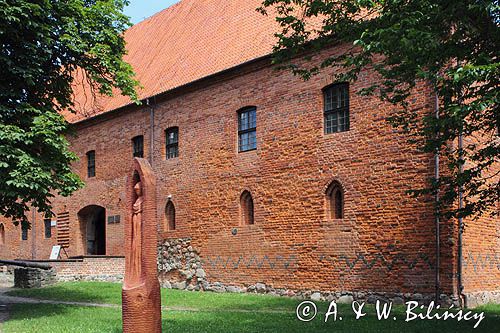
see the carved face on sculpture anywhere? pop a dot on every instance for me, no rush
(138, 189)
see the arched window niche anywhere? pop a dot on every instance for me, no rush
(170, 216)
(2, 234)
(246, 208)
(335, 201)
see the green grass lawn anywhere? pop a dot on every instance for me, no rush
(211, 312)
(102, 292)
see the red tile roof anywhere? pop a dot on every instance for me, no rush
(186, 42)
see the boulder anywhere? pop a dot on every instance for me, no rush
(315, 296)
(346, 299)
(260, 287)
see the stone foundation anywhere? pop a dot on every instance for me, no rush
(476, 299)
(180, 266)
(345, 297)
(33, 278)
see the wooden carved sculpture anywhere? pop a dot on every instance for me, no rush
(141, 308)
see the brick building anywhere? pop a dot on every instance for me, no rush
(263, 178)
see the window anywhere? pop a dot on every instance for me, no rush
(335, 201)
(170, 215)
(24, 233)
(2, 234)
(336, 108)
(48, 228)
(138, 146)
(114, 219)
(172, 142)
(246, 207)
(247, 129)
(91, 164)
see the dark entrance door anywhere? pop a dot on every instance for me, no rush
(93, 227)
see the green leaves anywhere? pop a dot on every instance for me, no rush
(43, 44)
(450, 44)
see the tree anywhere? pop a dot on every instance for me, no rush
(450, 44)
(44, 43)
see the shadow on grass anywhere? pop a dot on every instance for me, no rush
(95, 292)
(61, 318)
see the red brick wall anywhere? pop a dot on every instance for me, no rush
(385, 241)
(481, 257)
(292, 243)
(90, 268)
(36, 246)
(481, 238)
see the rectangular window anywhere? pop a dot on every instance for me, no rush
(172, 142)
(138, 146)
(115, 219)
(24, 233)
(48, 228)
(336, 108)
(91, 164)
(247, 129)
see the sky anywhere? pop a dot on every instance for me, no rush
(138, 10)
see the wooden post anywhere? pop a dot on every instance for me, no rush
(141, 310)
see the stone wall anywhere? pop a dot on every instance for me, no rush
(180, 266)
(476, 299)
(33, 277)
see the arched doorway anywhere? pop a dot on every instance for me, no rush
(93, 229)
